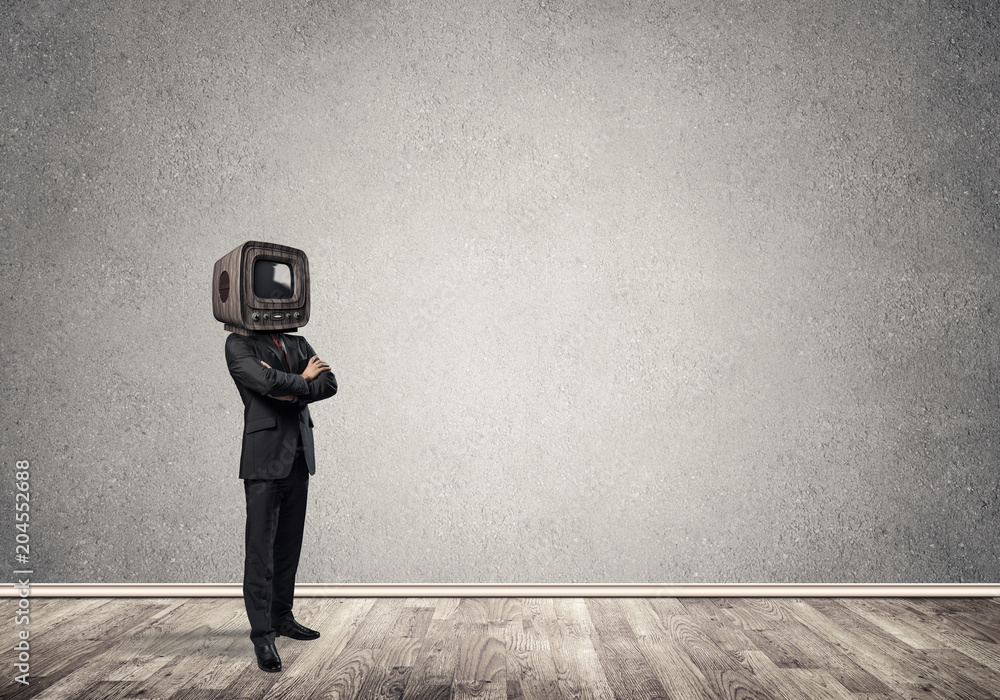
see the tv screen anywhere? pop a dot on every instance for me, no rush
(272, 280)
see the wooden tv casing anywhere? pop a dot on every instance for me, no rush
(233, 299)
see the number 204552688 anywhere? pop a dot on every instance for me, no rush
(22, 506)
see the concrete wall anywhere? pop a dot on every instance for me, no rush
(615, 292)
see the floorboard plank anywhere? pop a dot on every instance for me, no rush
(678, 674)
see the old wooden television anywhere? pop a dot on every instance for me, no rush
(261, 288)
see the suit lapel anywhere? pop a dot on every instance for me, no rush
(269, 348)
(284, 352)
(292, 348)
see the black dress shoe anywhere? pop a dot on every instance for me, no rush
(267, 658)
(296, 631)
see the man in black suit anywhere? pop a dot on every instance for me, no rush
(278, 376)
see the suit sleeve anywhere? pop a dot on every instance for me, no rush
(322, 387)
(250, 373)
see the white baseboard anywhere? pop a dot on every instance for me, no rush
(517, 590)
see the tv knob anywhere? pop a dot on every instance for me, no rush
(256, 316)
(265, 317)
(297, 315)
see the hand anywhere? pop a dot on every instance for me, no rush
(315, 367)
(286, 397)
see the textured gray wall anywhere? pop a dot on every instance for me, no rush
(615, 292)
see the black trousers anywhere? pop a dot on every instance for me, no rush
(276, 513)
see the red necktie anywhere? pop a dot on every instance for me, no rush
(277, 342)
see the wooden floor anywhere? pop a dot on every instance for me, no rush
(812, 648)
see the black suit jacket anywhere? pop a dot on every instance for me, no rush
(273, 429)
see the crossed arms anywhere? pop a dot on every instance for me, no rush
(316, 382)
